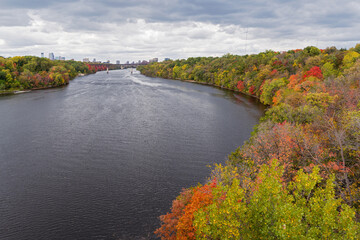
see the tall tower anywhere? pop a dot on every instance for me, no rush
(42, 54)
(51, 56)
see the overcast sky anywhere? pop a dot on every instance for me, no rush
(143, 29)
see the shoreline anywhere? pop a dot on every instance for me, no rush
(14, 92)
(20, 91)
(210, 84)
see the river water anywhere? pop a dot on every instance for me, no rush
(103, 157)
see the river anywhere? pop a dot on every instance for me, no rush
(104, 157)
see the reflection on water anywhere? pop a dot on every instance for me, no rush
(105, 156)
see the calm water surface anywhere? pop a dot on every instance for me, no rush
(103, 157)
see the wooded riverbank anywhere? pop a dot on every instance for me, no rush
(34, 73)
(298, 175)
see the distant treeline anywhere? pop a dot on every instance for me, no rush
(29, 72)
(298, 176)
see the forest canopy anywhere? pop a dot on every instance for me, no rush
(298, 176)
(29, 72)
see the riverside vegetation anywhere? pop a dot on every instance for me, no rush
(29, 72)
(298, 176)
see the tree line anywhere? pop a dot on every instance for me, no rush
(298, 176)
(29, 72)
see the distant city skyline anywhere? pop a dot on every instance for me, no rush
(130, 31)
(52, 56)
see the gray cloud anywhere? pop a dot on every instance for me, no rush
(132, 30)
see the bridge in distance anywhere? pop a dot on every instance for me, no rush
(117, 66)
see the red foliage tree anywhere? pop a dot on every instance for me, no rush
(252, 90)
(202, 197)
(170, 220)
(314, 72)
(179, 223)
(240, 86)
(273, 72)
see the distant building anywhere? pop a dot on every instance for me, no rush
(154, 60)
(166, 59)
(108, 61)
(117, 62)
(127, 62)
(86, 60)
(94, 60)
(42, 54)
(51, 56)
(60, 58)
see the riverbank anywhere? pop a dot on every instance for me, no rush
(8, 92)
(309, 135)
(217, 86)
(23, 73)
(20, 91)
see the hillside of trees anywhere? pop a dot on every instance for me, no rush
(298, 176)
(29, 72)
